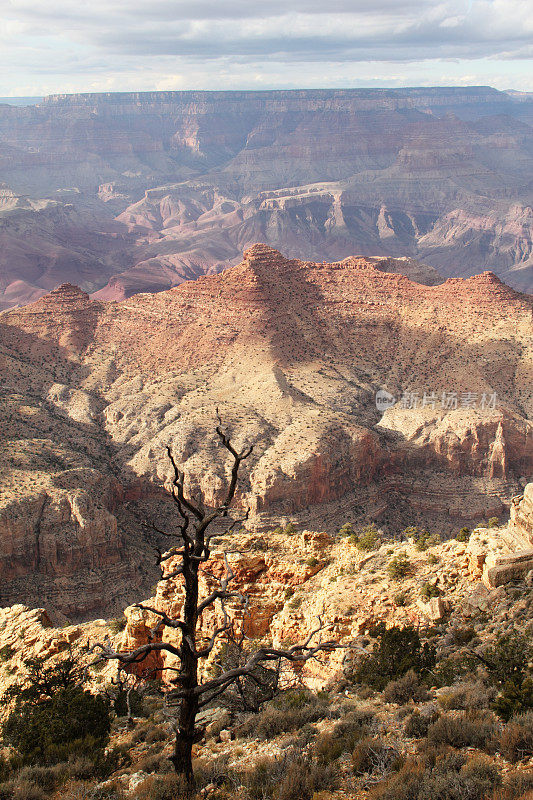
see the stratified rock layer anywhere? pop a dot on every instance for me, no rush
(123, 193)
(292, 353)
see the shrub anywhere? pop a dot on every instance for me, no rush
(401, 599)
(406, 688)
(515, 787)
(117, 625)
(432, 559)
(475, 729)
(443, 778)
(514, 699)
(493, 522)
(156, 734)
(290, 528)
(26, 790)
(516, 739)
(53, 716)
(396, 651)
(508, 658)
(399, 567)
(46, 778)
(343, 737)
(417, 724)
(463, 535)
(429, 590)
(372, 754)
(421, 540)
(303, 778)
(368, 539)
(468, 695)
(6, 652)
(151, 763)
(72, 721)
(163, 787)
(312, 562)
(288, 713)
(449, 670)
(346, 529)
(263, 778)
(463, 635)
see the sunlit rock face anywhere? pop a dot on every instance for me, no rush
(293, 354)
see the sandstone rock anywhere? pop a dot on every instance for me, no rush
(507, 569)
(435, 609)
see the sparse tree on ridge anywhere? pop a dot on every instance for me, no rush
(193, 550)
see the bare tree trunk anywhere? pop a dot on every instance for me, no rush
(186, 734)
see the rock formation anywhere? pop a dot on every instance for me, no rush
(293, 353)
(125, 193)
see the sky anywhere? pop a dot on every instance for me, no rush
(64, 46)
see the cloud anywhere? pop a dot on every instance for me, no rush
(97, 42)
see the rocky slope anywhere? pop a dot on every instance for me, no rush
(293, 354)
(121, 193)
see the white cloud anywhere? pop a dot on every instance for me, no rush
(134, 44)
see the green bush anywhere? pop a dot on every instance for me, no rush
(449, 670)
(514, 699)
(421, 540)
(395, 652)
(399, 566)
(463, 535)
(507, 660)
(54, 717)
(493, 522)
(6, 652)
(290, 528)
(346, 529)
(368, 539)
(429, 590)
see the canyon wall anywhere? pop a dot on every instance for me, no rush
(122, 193)
(293, 354)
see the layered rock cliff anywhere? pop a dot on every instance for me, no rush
(293, 353)
(121, 193)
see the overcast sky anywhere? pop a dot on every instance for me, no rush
(49, 46)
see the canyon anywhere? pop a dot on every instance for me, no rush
(293, 354)
(123, 193)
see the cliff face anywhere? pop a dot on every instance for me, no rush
(122, 193)
(293, 353)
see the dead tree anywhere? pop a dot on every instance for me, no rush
(194, 550)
